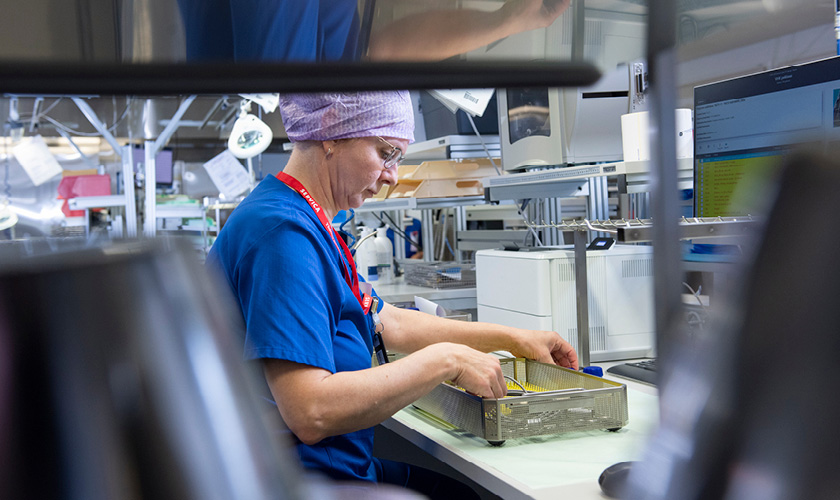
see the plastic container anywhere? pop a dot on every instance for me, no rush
(366, 263)
(384, 256)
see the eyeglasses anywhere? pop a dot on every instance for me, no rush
(395, 156)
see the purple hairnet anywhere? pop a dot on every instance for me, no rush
(329, 116)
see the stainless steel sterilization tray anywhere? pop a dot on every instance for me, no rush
(544, 399)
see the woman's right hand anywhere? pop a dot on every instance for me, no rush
(476, 372)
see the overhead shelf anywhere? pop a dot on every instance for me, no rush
(419, 203)
(179, 211)
(564, 182)
(452, 147)
(387, 205)
(86, 202)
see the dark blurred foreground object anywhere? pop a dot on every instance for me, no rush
(613, 480)
(751, 413)
(120, 378)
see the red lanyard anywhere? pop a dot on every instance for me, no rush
(352, 278)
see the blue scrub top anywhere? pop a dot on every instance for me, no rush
(270, 30)
(285, 271)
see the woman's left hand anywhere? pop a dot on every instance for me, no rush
(546, 347)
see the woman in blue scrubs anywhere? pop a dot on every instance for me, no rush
(310, 320)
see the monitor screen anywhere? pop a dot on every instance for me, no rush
(163, 165)
(744, 126)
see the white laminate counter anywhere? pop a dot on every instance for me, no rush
(450, 298)
(547, 467)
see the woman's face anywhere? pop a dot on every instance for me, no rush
(359, 169)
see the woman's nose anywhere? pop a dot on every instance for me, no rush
(389, 176)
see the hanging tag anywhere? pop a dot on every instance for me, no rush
(268, 102)
(367, 300)
(229, 176)
(378, 328)
(37, 161)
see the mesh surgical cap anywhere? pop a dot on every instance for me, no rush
(330, 116)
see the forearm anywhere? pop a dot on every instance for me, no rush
(407, 331)
(437, 35)
(315, 407)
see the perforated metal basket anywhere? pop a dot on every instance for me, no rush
(440, 275)
(566, 400)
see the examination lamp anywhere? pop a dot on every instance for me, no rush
(7, 217)
(250, 136)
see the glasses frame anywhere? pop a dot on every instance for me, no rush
(395, 157)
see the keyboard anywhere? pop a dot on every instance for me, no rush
(640, 371)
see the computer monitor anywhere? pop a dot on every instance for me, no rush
(745, 126)
(163, 165)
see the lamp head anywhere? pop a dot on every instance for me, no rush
(249, 137)
(8, 218)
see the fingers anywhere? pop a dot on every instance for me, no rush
(572, 358)
(480, 374)
(494, 385)
(551, 348)
(564, 355)
(556, 6)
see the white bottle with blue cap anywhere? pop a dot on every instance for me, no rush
(384, 256)
(366, 263)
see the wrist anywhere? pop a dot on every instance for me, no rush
(514, 340)
(445, 357)
(506, 19)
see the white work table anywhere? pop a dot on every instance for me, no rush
(450, 298)
(547, 467)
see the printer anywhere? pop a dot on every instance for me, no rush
(535, 289)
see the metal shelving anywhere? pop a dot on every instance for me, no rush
(641, 230)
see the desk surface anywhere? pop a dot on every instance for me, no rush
(400, 291)
(566, 465)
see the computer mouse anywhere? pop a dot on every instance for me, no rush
(614, 479)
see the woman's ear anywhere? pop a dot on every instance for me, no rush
(328, 147)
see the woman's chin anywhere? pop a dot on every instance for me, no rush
(357, 202)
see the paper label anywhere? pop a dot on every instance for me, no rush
(269, 102)
(472, 101)
(229, 176)
(427, 306)
(37, 161)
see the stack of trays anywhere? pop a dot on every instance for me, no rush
(442, 179)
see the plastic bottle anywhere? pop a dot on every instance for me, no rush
(384, 256)
(366, 263)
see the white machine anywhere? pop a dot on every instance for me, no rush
(535, 289)
(552, 126)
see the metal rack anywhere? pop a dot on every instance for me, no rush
(199, 211)
(641, 230)
(632, 231)
(425, 205)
